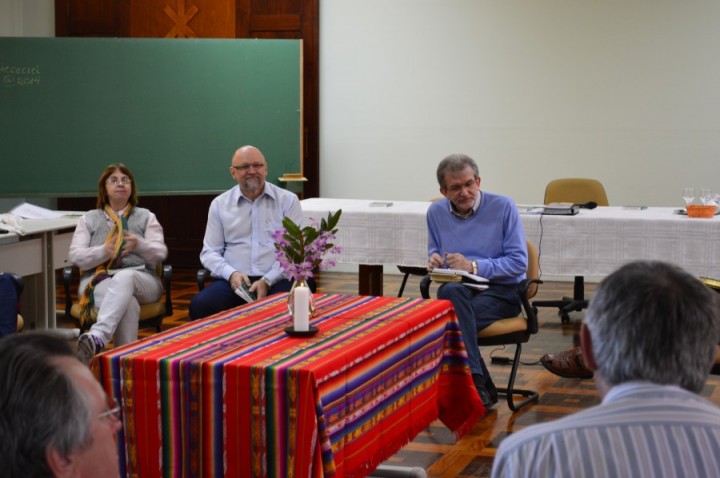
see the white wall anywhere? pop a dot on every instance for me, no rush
(28, 18)
(626, 91)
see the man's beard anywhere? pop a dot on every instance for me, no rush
(253, 184)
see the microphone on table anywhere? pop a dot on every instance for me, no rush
(586, 205)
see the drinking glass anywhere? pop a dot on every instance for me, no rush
(706, 196)
(688, 195)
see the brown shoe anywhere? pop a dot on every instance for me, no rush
(568, 364)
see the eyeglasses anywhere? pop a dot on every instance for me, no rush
(246, 167)
(115, 181)
(113, 414)
(455, 188)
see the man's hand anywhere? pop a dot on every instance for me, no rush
(436, 261)
(237, 278)
(260, 288)
(455, 260)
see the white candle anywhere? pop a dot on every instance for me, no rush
(301, 306)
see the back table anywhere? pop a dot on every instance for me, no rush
(592, 244)
(233, 395)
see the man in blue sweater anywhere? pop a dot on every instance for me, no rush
(481, 233)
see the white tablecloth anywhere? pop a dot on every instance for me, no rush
(592, 243)
(376, 235)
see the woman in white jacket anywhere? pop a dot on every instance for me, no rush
(116, 247)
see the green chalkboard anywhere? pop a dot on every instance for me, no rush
(173, 110)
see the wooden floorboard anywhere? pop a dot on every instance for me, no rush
(435, 449)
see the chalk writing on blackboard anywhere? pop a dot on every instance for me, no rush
(20, 75)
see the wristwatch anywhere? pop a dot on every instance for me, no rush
(267, 281)
(474, 264)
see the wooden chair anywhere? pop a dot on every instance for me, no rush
(577, 191)
(151, 314)
(714, 284)
(513, 330)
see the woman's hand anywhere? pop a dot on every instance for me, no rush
(110, 246)
(131, 243)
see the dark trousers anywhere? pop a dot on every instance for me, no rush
(219, 296)
(476, 310)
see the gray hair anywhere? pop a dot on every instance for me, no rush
(455, 163)
(653, 321)
(40, 406)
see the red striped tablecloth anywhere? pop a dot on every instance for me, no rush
(233, 395)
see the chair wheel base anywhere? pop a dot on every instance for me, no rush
(531, 397)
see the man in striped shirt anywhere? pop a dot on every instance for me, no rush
(650, 336)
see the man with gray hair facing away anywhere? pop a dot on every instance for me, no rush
(55, 419)
(649, 335)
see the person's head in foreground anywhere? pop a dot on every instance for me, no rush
(54, 416)
(651, 321)
(650, 335)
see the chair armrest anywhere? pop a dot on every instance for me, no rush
(167, 280)
(202, 275)
(67, 277)
(530, 310)
(425, 286)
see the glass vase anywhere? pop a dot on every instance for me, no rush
(291, 297)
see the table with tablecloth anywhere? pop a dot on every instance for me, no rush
(596, 242)
(234, 395)
(592, 243)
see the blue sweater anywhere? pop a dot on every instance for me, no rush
(493, 236)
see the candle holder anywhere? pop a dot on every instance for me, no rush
(301, 333)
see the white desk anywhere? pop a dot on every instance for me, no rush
(35, 256)
(592, 243)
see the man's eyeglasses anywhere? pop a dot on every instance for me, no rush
(116, 181)
(246, 167)
(112, 414)
(457, 187)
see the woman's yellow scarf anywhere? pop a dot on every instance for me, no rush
(88, 316)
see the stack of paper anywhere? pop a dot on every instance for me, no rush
(31, 211)
(457, 275)
(244, 292)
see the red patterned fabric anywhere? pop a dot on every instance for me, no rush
(233, 395)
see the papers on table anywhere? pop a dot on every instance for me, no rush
(31, 211)
(456, 275)
(12, 223)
